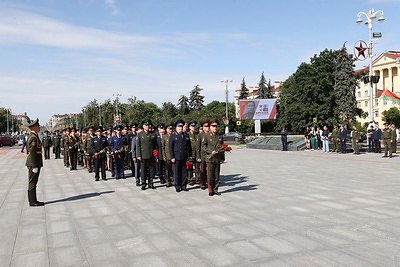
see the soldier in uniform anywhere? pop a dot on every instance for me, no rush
(118, 146)
(88, 150)
(201, 156)
(73, 149)
(56, 144)
(80, 136)
(34, 162)
(209, 143)
(167, 156)
(64, 147)
(355, 137)
(46, 143)
(342, 139)
(387, 140)
(335, 138)
(146, 143)
(193, 142)
(127, 159)
(98, 144)
(180, 150)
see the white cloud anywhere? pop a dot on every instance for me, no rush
(111, 5)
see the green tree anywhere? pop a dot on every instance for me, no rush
(392, 115)
(168, 112)
(244, 91)
(309, 93)
(345, 87)
(196, 100)
(264, 89)
(183, 105)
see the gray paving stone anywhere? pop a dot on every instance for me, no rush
(67, 256)
(247, 250)
(219, 256)
(344, 259)
(275, 245)
(33, 259)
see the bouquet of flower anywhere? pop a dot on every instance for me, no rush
(155, 153)
(220, 149)
(189, 163)
(87, 156)
(103, 151)
(122, 149)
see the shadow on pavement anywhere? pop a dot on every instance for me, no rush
(233, 180)
(78, 197)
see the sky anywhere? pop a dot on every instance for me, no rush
(58, 55)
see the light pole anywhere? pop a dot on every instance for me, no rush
(99, 114)
(8, 121)
(116, 106)
(226, 81)
(370, 16)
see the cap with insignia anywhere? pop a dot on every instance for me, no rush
(192, 123)
(134, 125)
(161, 125)
(205, 123)
(179, 123)
(33, 123)
(72, 130)
(118, 128)
(147, 121)
(99, 129)
(214, 122)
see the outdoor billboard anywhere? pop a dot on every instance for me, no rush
(257, 109)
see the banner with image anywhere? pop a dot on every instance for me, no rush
(258, 109)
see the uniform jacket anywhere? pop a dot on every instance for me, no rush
(200, 153)
(146, 142)
(34, 145)
(179, 146)
(387, 133)
(56, 140)
(73, 143)
(209, 143)
(355, 134)
(87, 145)
(117, 143)
(193, 143)
(46, 141)
(133, 144)
(165, 146)
(335, 133)
(64, 142)
(159, 146)
(97, 144)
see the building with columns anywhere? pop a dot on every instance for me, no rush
(386, 66)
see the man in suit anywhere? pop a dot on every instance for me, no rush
(98, 146)
(34, 162)
(377, 136)
(180, 150)
(118, 145)
(214, 158)
(342, 139)
(146, 144)
(135, 165)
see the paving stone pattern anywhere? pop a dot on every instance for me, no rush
(277, 208)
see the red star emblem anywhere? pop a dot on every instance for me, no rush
(361, 50)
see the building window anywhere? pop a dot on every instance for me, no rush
(376, 114)
(366, 93)
(359, 94)
(376, 101)
(359, 104)
(365, 103)
(385, 101)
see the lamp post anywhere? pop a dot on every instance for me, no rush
(116, 107)
(226, 81)
(99, 114)
(370, 16)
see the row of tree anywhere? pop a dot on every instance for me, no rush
(8, 123)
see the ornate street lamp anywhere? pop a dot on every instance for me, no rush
(226, 81)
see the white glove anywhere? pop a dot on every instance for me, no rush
(35, 170)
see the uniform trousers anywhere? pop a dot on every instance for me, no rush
(99, 166)
(169, 173)
(356, 147)
(378, 148)
(46, 152)
(213, 176)
(343, 146)
(160, 170)
(73, 155)
(388, 147)
(119, 164)
(147, 169)
(57, 152)
(66, 157)
(33, 178)
(335, 145)
(180, 174)
(203, 173)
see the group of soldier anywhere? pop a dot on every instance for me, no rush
(389, 136)
(179, 153)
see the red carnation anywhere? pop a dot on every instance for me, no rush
(189, 165)
(155, 152)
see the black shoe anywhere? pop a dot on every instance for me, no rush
(211, 194)
(178, 190)
(104, 179)
(96, 179)
(152, 187)
(137, 184)
(143, 187)
(218, 193)
(36, 204)
(168, 185)
(112, 175)
(191, 183)
(203, 187)
(185, 189)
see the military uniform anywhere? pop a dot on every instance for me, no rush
(355, 136)
(46, 143)
(34, 162)
(394, 140)
(201, 156)
(387, 141)
(88, 151)
(209, 144)
(56, 145)
(335, 137)
(146, 143)
(97, 144)
(117, 146)
(196, 165)
(65, 149)
(73, 144)
(167, 158)
(180, 150)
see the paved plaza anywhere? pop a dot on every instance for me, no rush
(276, 209)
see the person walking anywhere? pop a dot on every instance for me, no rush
(34, 162)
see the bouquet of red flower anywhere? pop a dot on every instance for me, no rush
(220, 149)
(189, 163)
(103, 151)
(155, 152)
